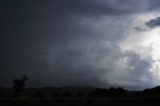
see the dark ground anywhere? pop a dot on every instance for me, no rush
(76, 103)
(80, 96)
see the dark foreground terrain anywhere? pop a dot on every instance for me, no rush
(76, 102)
(80, 96)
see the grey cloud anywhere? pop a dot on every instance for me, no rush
(154, 4)
(131, 71)
(100, 64)
(153, 23)
(60, 43)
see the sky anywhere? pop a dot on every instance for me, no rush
(99, 43)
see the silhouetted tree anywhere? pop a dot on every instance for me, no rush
(67, 94)
(19, 84)
(120, 91)
(115, 92)
(80, 94)
(99, 93)
(39, 94)
(56, 94)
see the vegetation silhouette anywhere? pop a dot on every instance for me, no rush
(19, 85)
(55, 95)
(111, 92)
(67, 94)
(80, 95)
(86, 95)
(39, 94)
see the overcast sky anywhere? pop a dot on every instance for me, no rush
(98, 43)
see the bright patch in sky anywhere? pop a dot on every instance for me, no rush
(146, 42)
(154, 42)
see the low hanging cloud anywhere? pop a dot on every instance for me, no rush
(153, 23)
(97, 64)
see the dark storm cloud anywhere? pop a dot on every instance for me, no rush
(154, 4)
(99, 65)
(58, 42)
(153, 23)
